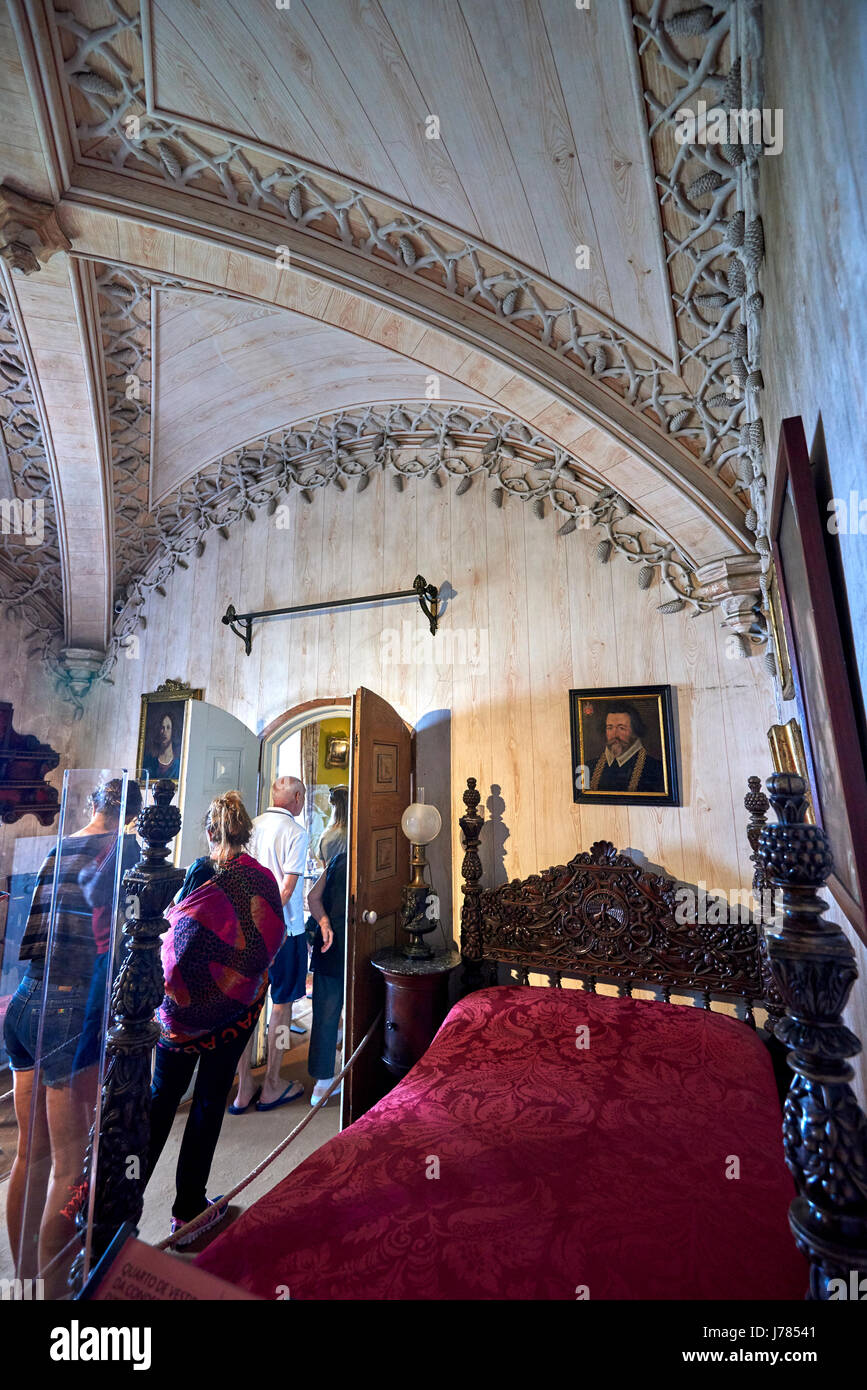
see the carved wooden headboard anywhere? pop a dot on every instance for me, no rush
(602, 917)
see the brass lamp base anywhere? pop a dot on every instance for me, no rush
(416, 922)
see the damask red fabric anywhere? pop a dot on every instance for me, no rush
(516, 1162)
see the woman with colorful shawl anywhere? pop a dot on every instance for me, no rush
(226, 927)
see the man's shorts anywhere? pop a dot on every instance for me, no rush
(288, 973)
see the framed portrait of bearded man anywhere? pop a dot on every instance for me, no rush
(623, 746)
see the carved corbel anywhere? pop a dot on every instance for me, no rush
(81, 666)
(29, 231)
(733, 584)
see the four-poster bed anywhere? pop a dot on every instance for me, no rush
(560, 1143)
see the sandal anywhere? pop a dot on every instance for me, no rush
(285, 1099)
(242, 1109)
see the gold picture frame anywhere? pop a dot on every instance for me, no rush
(646, 772)
(167, 703)
(788, 754)
(778, 636)
(337, 750)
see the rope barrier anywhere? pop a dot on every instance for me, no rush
(204, 1216)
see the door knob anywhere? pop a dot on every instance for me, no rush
(369, 918)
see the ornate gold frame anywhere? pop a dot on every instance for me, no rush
(789, 755)
(166, 693)
(778, 637)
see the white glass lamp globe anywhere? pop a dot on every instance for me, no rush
(420, 823)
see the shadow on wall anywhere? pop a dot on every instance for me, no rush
(492, 840)
(433, 754)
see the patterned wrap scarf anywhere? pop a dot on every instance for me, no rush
(222, 939)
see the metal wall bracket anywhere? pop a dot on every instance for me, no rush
(427, 594)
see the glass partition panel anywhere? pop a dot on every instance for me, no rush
(55, 1024)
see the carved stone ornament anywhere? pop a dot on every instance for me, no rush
(824, 1128)
(29, 231)
(733, 583)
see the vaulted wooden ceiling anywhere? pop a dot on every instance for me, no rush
(279, 217)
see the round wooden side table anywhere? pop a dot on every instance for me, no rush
(416, 1002)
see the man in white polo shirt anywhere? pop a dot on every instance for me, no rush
(280, 843)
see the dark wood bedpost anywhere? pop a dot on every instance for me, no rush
(758, 806)
(471, 872)
(824, 1128)
(120, 1151)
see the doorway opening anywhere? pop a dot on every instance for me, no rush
(310, 741)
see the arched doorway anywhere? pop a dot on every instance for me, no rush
(310, 741)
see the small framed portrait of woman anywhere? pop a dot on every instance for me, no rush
(161, 730)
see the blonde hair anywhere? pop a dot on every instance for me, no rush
(229, 826)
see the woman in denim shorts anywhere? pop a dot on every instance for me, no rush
(48, 1163)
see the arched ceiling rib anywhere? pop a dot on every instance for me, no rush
(125, 296)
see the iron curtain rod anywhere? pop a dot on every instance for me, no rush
(427, 595)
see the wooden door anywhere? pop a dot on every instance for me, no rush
(380, 790)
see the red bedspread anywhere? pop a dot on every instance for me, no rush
(512, 1164)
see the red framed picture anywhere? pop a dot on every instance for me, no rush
(815, 616)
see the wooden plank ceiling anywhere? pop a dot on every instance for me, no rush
(540, 146)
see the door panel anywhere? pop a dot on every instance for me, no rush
(380, 790)
(222, 755)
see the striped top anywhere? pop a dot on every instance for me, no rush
(74, 945)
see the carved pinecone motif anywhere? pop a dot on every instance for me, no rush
(159, 823)
(471, 797)
(796, 854)
(755, 800)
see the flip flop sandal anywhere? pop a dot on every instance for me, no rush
(242, 1109)
(285, 1099)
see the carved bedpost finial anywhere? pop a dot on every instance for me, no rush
(29, 231)
(757, 804)
(121, 1169)
(824, 1128)
(471, 871)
